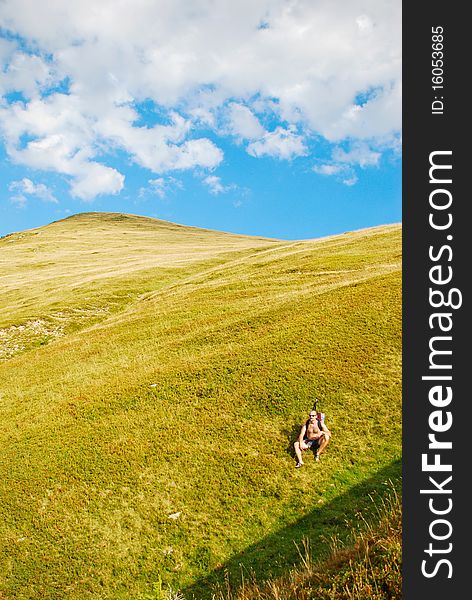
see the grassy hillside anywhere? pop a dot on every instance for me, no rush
(154, 378)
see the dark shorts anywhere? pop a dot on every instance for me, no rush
(313, 444)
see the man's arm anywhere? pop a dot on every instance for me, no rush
(325, 429)
(302, 433)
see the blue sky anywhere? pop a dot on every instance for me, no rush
(281, 118)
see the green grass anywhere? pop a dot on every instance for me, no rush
(170, 373)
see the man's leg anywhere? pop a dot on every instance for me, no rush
(324, 441)
(298, 452)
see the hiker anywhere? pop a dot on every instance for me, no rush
(314, 435)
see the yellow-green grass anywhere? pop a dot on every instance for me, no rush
(174, 368)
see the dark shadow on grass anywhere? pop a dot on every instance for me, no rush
(277, 553)
(292, 435)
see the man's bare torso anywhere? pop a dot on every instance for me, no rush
(312, 430)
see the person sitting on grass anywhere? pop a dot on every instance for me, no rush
(314, 435)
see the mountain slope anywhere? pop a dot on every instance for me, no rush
(147, 427)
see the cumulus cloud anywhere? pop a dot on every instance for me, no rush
(25, 187)
(301, 66)
(359, 154)
(27, 74)
(160, 148)
(379, 117)
(243, 123)
(95, 179)
(281, 143)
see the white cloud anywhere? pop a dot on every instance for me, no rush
(157, 187)
(342, 163)
(243, 123)
(7, 48)
(195, 153)
(25, 73)
(203, 116)
(25, 187)
(327, 169)
(359, 154)
(66, 139)
(378, 118)
(281, 143)
(203, 64)
(161, 186)
(364, 23)
(351, 179)
(96, 179)
(59, 137)
(216, 186)
(341, 172)
(160, 148)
